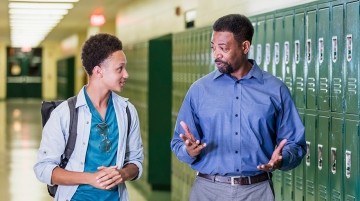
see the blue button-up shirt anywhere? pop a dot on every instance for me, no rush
(241, 121)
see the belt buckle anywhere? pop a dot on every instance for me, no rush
(233, 180)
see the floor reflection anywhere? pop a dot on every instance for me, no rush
(20, 136)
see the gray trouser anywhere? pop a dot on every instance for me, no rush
(206, 190)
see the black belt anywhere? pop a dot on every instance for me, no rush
(238, 180)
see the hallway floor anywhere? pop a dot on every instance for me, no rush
(20, 134)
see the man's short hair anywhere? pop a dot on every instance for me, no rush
(97, 48)
(237, 24)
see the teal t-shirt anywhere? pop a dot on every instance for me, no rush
(101, 151)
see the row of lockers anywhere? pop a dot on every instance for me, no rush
(314, 49)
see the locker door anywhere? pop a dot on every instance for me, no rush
(288, 176)
(352, 52)
(310, 59)
(269, 44)
(260, 48)
(278, 46)
(299, 53)
(288, 50)
(277, 67)
(337, 46)
(299, 173)
(310, 158)
(322, 147)
(336, 157)
(323, 57)
(252, 51)
(351, 159)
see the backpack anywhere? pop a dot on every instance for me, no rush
(46, 108)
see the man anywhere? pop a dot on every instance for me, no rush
(104, 156)
(238, 123)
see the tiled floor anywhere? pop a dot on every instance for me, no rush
(20, 134)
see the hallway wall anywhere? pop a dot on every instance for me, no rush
(142, 20)
(2, 70)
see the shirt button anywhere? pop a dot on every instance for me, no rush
(236, 115)
(237, 170)
(87, 122)
(236, 152)
(237, 97)
(82, 163)
(84, 143)
(237, 82)
(236, 133)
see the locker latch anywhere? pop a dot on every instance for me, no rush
(307, 157)
(334, 48)
(333, 160)
(347, 163)
(321, 50)
(320, 156)
(349, 45)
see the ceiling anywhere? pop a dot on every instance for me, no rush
(77, 20)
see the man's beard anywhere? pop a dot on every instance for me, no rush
(226, 69)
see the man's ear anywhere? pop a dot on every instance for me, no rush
(246, 46)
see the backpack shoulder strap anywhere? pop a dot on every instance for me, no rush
(129, 120)
(70, 145)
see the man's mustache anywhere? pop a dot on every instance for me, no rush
(218, 60)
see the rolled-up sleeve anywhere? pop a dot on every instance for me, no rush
(292, 129)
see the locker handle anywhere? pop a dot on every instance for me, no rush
(333, 160)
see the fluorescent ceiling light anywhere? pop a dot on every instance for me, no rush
(31, 20)
(41, 5)
(49, 1)
(35, 17)
(38, 11)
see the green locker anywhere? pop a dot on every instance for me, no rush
(260, 46)
(337, 55)
(159, 111)
(254, 39)
(352, 52)
(137, 67)
(310, 58)
(65, 77)
(310, 157)
(288, 50)
(323, 57)
(278, 45)
(322, 147)
(288, 176)
(269, 44)
(299, 54)
(278, 72)
(299, 184)
(336, 156)
(351, 158)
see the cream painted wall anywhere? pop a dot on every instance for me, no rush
(80, 75)
(109, 27)
(2, 71)
(51, 53)
(141, 20)
(213, 9)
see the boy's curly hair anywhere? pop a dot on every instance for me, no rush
(97, 48)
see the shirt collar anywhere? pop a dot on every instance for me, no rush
(255, 72)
